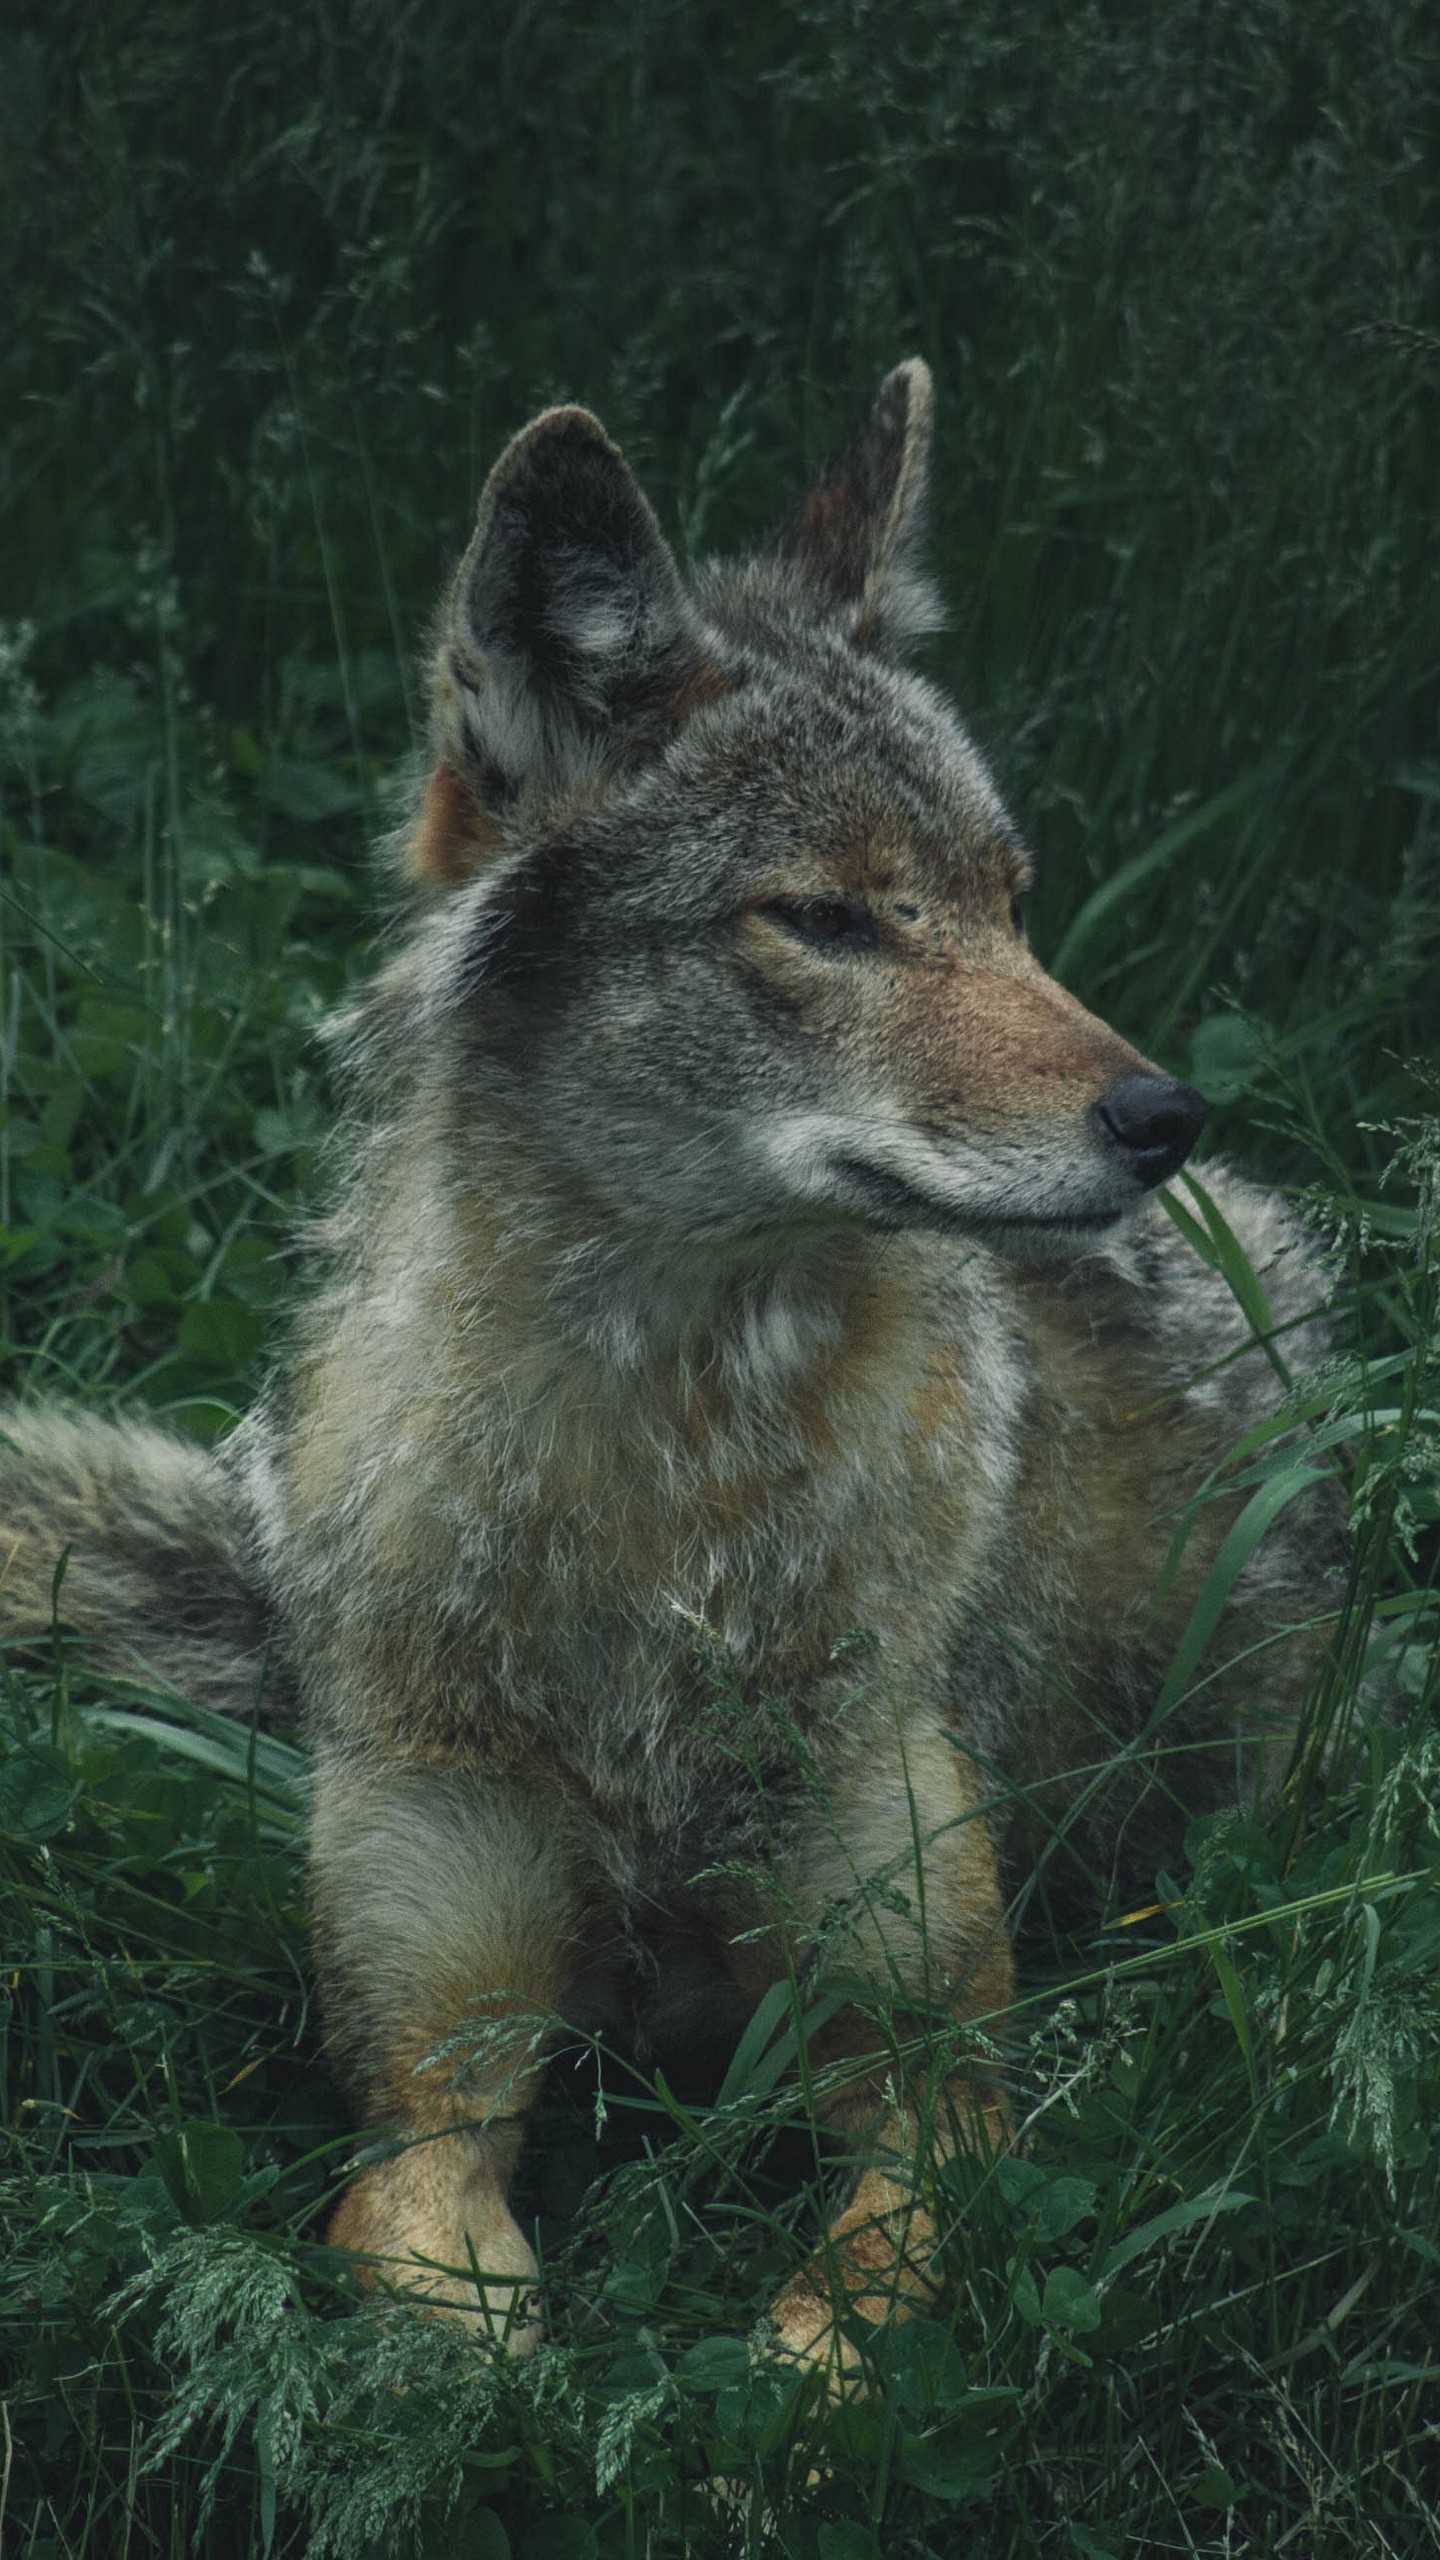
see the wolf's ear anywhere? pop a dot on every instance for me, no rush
(855, 537)
(566, 642)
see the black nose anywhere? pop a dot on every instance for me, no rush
(1155, 1121)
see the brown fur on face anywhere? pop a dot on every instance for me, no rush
(1000, 1046)
(452, 835)
(951, 1006)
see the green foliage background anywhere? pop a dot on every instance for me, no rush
(276, 284)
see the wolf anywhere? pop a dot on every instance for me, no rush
(744, 1248)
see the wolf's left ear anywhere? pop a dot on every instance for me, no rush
(855, 538)
(566, 643)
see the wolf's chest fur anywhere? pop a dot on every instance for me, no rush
(621, 1559)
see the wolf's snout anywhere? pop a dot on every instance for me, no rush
(1155, 1121)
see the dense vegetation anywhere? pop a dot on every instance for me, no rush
(276, 284)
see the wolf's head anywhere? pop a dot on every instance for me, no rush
(725, 907)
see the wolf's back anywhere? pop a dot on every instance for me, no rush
(161, 1573)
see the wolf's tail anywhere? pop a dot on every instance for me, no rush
(161, 1573)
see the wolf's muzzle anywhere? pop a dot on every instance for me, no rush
(1154, 1121)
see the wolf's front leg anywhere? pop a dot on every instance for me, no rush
(444, 1916)
(896, 1871)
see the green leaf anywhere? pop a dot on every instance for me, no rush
(265, 2465)
(559, 2538)
(953, 2463)
(925, 2370)
(1216, 2489)
(203, 2166)
(37, 1792)
(1234, 1553)
(1019, 2180)
(1063, 2202)
(634, 2283)
(221, 1332)
(1178, 2217)
(847, 2542)
(1127, 2317)
(1069, 2303)
(1225, 1056)
(713, 2363)
(798, 2536)
(1234, 1997)
(1228, 1256)
(480, 2538)
(1027, 2297)
(148, 1282)
(758, 2063)
(769, 2400)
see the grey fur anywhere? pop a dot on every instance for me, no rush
(735, 1253)
(153, 1540)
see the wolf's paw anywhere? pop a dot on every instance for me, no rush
(480, 2273)
(499, 2310)
(877, 2266)
(804, 2330)
(819, 2322)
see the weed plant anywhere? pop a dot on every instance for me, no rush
(277, 283)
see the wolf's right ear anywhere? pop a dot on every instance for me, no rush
(854, 541)
(566, 644)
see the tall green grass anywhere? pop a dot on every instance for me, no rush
(275, 290)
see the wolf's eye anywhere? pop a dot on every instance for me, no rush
(821, 919)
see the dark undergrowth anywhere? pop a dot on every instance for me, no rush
(276, 288)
